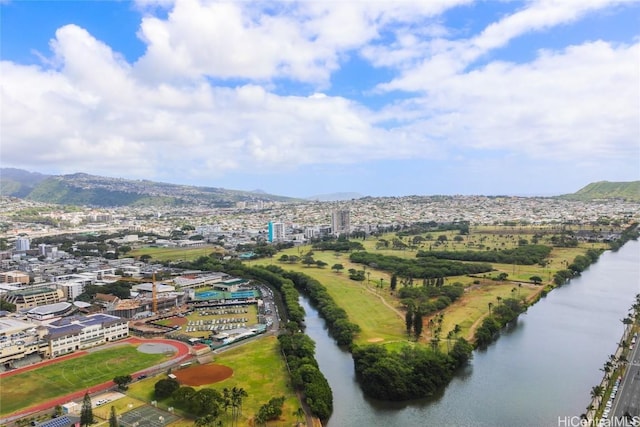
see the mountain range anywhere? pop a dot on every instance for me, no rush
(91, 190)
(629, 191)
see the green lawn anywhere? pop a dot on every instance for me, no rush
(474, 305)
(258, 368)
(47, 382)
(363, 302)
(373, 309)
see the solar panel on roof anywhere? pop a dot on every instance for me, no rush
(63, 421)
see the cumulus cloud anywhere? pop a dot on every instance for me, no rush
(303, 41)
(576, 103)
(167, 114)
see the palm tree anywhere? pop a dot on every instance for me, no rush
(237, 393)
(456, 329)
(242, 393)
(450, 335)
(299, 414)
(226, 399)
(596, 392)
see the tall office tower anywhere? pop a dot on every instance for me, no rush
(22, 244)
(276, 231)
(340, 223)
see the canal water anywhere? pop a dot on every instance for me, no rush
(540, 370)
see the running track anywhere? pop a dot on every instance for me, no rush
(183, 352)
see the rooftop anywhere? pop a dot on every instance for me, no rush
(43, 310)
(10, 325)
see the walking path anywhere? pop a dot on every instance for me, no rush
(182, 352)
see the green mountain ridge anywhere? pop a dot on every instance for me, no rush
(629, 191)
(90, 190)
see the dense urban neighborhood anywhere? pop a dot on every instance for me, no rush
(77, 278)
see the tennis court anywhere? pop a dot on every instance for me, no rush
(147, 416)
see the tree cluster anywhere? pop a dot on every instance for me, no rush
(165, 387)
(299, 350)
(340, 328)
(338, 246)
(7, 306)
(425, 267)
(500, 314)
(270, 410)
(410, 373)
(567, 239)
(205, 401)
(357, 275)
(121, 289)
(523, 255)
(632, 232)
(429, 299)
(579, 264)
(426, 227)
(123, 381)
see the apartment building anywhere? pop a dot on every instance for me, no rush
(29, 298)
(22, 244)
(340, 222)
(276, 232)
(14, 277)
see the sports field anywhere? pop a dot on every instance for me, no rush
(25, 389)
(258, 368)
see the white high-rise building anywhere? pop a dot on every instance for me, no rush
(276, 232)
(340, 223)
(22, 244)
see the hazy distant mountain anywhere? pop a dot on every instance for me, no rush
(90, 190)
(18, 182)
(607, 190)
(335, 197)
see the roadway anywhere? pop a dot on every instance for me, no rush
(627, 399)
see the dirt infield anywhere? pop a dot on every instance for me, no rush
(203, 374)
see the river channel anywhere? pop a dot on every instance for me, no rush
(541, 368)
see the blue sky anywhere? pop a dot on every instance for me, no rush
(395, 98)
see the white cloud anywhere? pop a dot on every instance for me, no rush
(427, 63)
(576, 104)
(161, 117)
(302, 41)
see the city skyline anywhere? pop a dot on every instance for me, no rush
(300, 99)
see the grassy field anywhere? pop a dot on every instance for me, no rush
(258, 368)
(174, 254)
(374, 310)
(380, 314)
(473, 306)
(47, 382)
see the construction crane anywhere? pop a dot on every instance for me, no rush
(154, 295)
